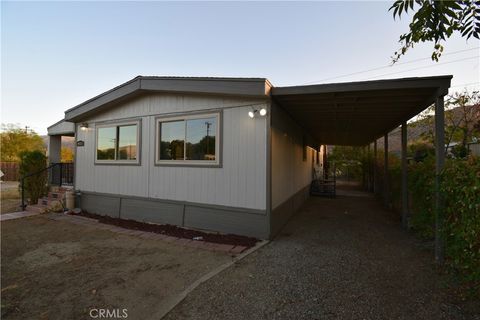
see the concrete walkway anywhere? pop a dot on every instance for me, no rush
(343, 258)
(17, 215)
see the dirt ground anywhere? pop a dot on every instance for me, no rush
(10, 197)
(57, 270)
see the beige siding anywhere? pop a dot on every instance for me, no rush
(240, 182)
(163, 104)
(290, 173)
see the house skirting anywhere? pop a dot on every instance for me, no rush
(283, 212)
(241, 221)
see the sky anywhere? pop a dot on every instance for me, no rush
(55, 55)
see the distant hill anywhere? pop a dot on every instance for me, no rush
(68, 142)
(417, 128)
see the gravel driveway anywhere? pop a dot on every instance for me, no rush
(343, 258)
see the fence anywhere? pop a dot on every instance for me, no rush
(62, 174)
(10, 171)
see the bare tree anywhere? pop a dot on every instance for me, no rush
(462, 120)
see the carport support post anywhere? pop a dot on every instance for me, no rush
(375, 166)
(439, 164)
(386, 196)
(404, 177)
(369, 169)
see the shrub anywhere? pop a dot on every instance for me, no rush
(461, 187)
(419, 151)
(36, 185)
(421, 185)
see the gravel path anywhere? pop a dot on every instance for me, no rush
(343, 258)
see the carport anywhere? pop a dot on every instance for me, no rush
(359, 113)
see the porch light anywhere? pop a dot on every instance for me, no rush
(84, 126)
(253, 112)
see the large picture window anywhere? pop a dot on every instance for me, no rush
(188, 140)
(118, 143)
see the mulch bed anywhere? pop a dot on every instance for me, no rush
(173, 231)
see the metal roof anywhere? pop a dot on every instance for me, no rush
(249, 87)
(357, 113)
(352, 113)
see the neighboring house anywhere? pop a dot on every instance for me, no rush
(474, 148)
(234, 155)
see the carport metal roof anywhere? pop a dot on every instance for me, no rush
(357, 113)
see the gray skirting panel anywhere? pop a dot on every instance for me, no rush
(241, 221)
(282, 213)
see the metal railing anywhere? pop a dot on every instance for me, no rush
(325, 184)
(59, 174)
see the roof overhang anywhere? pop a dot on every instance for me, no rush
(246, 87)
(62, 128)
(357, 113)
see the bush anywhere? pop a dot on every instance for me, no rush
(461, 187)
(460, 184)
(36, 185)
(421, 185)
(420, 151)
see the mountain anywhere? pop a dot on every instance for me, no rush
(68, 142)
(417, 128)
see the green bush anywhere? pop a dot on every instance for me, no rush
(421, 185)
(419, 151)
(461, 187)
(35, 186)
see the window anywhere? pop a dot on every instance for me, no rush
(172, 142)
(188, 140)
(118, 143)
(106, 143)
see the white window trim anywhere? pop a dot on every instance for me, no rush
(188, 163)
(119, 124)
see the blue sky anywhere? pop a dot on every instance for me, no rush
(55, 55)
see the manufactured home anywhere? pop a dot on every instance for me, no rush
(233, 155)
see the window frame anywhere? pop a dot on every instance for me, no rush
(217, 163)
(117, 125)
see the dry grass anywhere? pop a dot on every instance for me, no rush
(82, 267)
(10, 200)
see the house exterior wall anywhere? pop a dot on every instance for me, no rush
(204, 197)
(291, 173)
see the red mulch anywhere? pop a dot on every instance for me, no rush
(174, 231)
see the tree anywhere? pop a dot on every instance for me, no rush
(15, 140)
(436, 21)
(36, 185)
(66, 154)
(349, 161)
(462, 121)
(465, 124)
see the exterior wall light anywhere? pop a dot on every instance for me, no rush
(253, 112)
(84, 126)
